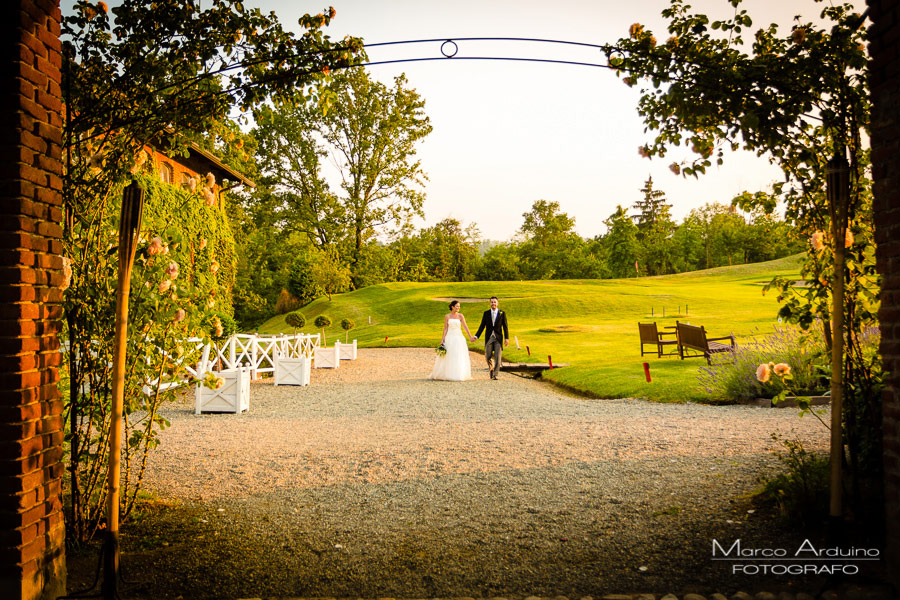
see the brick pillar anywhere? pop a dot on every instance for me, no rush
(32, 535)
(884, 49)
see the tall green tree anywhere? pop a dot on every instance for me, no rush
(550, 247)
(655, 229)
(623, 250)
(373, 132)
(370, 134)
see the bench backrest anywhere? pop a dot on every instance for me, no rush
(691, 336)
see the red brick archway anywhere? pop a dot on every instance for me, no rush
(31, 524)
(32, 533)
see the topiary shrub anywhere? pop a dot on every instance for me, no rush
(347, 325)
(295, 319)
(322, 322)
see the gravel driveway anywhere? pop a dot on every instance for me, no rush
(376, 482)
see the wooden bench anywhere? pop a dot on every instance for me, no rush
(651, 335)
(692, 337)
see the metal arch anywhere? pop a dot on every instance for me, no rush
(449, 49)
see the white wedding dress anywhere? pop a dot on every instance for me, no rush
(455, 365)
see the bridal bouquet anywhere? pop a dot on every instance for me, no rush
(440, 350)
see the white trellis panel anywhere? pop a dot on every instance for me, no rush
(232, 397)
(348, 351)
(328, 358)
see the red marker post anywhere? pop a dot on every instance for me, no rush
(528, 350)
(550, 360)
(647, 371)
(385, 339)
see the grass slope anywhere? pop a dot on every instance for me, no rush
(591, 324)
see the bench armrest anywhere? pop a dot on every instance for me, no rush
(727, 337)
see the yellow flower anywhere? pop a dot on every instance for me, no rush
(635, 30)
(782, 369)
(763, 373)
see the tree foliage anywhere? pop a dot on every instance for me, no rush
(370, 134)
(799, 99)
(163, 75)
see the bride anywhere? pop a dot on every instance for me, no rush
(454, 365)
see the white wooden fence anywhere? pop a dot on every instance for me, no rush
(258, 352)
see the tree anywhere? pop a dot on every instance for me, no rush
(623, 250)
(295, 319)
(370, 134)
(162, 74)
(347, 325)
(322, 322)
(654, 229)
(802, 101)
(328, 274)
(450, 251)
(500, 263)
(373, 132)
(551, 249)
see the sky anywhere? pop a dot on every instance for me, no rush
(506, 134)
(509, 133)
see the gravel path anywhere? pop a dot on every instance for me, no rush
(375, 482)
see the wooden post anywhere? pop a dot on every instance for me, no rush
(129, 226)
(837, 177)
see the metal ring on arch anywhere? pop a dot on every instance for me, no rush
(453, 51)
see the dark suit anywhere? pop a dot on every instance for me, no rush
(496, 333)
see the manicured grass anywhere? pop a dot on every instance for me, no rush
(590, 324)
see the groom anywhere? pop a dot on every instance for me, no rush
(494, 321)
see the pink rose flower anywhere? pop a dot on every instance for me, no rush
(164, 285)
(782, 369)
(179, 315)
(155, 247)
(202, 243)
(214, 267)
(172, 270)
(210, 179)
(763, 373)
(817, 240)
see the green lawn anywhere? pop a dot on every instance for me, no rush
(590, 324)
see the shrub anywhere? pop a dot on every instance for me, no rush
(804, 351)
(347, 325)
(295, 319)
(286, 303)
(799, 494)
(322, 322)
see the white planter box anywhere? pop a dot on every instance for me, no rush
(292, 371)
(328, 358)
(348, 351)
(233, 397)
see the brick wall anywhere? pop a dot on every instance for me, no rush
(884, 49)
(32, 535)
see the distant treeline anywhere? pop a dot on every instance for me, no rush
(282, 270)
